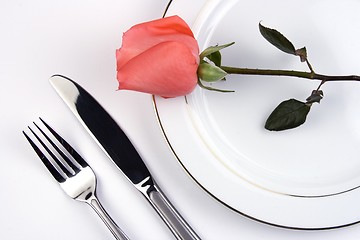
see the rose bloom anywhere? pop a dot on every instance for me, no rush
(159, 57)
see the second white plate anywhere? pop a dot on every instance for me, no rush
(305, 178)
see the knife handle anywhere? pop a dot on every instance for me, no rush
(178, 226)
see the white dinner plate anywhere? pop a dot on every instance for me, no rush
(304, 178)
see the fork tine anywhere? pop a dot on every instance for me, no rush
(58, 162)
(66, 145)
(62, 154)
(54, 172)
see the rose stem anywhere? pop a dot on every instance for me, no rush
(290, 73)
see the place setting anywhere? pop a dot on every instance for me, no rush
(228, 119)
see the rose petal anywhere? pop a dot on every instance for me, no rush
(168, 69)
(143, 36)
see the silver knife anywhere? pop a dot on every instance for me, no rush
(113, 141)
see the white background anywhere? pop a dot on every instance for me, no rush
(78, 39)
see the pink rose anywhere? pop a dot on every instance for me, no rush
(159, 57)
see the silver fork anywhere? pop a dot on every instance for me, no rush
(73, 174)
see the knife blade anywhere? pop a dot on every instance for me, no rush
(117, 146)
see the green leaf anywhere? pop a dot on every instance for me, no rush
(208, 51)
(215, 57)
(213, 89)
(277, 39)
(210, 73)
(288, 114)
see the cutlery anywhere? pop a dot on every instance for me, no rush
(72, 172)
(114, 142)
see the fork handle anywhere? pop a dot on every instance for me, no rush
(105, 217)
